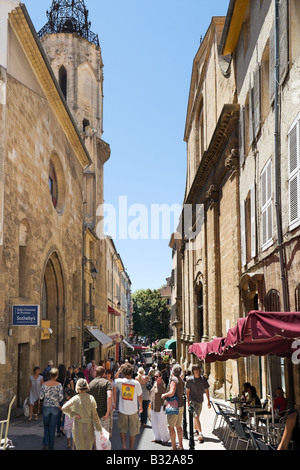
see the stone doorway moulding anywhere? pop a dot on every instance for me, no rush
(53, 311)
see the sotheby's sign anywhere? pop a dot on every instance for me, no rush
(25, 315)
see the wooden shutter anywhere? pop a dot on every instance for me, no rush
(293, 152)
(256, 101)
(266, 204)
(243, 232)
(251, 128)
(272, 66)
(283, 32)
(263, 185)
(253, 221)
(242, 135)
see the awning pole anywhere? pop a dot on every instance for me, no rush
(270, 386)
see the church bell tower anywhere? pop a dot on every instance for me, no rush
(75, 56)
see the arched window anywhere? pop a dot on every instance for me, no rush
(53, 185)
(272, 301)
(63, 80)
(297, 298)
(199, 308)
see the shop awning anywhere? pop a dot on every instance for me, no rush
(260, 334)
(112, 311)
(171, 344)
(128, 345)
(99, 335)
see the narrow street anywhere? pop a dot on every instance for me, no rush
(28, 435)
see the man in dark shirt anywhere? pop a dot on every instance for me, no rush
(77, 374)
(196, 385)
(101, 390)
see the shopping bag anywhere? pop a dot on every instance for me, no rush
(172, 405)
(102, 440)
(26, 408)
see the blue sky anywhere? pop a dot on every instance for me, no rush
(148, 47)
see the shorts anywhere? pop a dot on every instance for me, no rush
(129, 423)
(175, 421)
(197, 408)
(105, 424)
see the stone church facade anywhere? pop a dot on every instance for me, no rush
(52, 160)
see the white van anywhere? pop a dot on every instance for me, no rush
(148, 357)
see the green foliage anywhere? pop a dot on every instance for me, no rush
(151, 317)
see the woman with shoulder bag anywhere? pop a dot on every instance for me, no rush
(175, 418)
(52, 395)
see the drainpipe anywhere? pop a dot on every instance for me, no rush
(277, 166)
(82, 294)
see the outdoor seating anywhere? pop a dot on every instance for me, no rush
(254, 436)
(229, 429)
(242, 433)
(258, 441)
(4, 425)
(217, 415)
(227, 415)
(262, 445)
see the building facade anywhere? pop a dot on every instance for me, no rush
(119, 303)
(210, 218)
(265, 50)
(51, 183)
(243, 185)
(176, 291)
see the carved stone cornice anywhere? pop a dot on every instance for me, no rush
(212, 195)
(225, 127)
(103, 151)
(232, 162)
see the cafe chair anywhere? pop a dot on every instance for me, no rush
(217, 415)
(241, 432)
(262, 445)
(254, 436)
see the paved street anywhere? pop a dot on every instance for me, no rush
(28, 435)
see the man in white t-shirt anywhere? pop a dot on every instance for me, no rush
(130, 394)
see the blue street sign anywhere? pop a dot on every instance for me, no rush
(25, 315)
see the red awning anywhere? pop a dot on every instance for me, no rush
(112, 311)
(260, 334)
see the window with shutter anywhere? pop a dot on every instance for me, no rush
(283, 39)
(256, 101)
(251, 128)
(243, 233)
(272, 66)
(294, 173)
(266, 206)
(253, 221)
(242, 135)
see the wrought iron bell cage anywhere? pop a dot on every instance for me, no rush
(69, 16)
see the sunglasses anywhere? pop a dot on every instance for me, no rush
(156, 376)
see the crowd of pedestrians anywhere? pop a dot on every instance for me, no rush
(77, 401)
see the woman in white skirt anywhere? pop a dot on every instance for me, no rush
(158, 416)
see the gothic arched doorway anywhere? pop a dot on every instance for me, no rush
(53, 312)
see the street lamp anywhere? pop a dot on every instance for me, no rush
(94, 273)
(94, 270)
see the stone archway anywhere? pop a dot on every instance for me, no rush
(53, 312)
